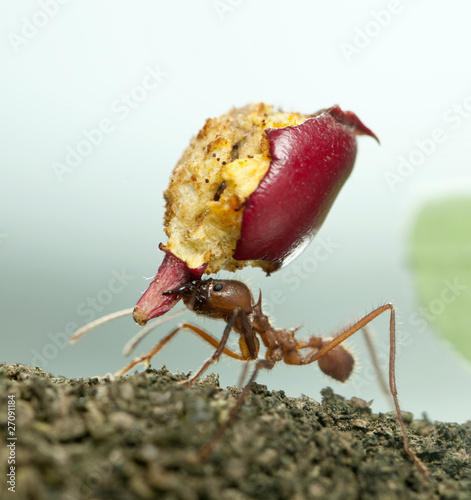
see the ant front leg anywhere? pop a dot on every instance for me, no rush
(248, 335)
(338, 363)
(207, 337)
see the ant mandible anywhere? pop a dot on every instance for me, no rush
(232, 301)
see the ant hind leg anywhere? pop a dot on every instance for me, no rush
(324, 348)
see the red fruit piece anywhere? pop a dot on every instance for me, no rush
(310, 163)
(172, 274)
(307, 164)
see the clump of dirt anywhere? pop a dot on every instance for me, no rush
(136, 437)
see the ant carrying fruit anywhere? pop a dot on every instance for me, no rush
(253, 189)
(232, 301)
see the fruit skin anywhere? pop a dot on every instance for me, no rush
(172, 274)
(310, 164)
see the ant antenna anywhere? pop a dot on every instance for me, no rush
(100, 321)
(132, 343)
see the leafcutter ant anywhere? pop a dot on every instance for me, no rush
(232, 301)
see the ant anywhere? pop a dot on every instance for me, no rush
(232, 301)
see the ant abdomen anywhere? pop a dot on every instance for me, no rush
(337, 363)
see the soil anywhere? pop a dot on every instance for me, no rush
(136, 437)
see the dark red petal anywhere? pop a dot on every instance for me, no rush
(310, 163)
(172, 274)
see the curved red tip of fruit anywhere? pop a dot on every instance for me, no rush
(172, 274)
(310, 163)
(350, 119)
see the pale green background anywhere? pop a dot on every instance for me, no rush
(441, 261)
(61, 241)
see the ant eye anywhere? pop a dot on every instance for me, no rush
(218, 287)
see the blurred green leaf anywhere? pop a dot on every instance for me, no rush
(441, 259)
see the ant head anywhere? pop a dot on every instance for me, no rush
(215, 298)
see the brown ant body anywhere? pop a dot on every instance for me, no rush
(232, 301)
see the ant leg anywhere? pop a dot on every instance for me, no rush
(374, 360)
(243, 374)
(372, 352)
(206, 449)
(146, 357)
(220, 348)
(392, 370)
(213, 341)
